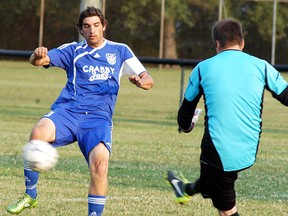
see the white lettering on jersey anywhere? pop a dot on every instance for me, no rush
(98, 72)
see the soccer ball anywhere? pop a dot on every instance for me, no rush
(40, 156)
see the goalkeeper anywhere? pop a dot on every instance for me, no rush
(232, 84)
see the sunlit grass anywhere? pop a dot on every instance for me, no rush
(145, 144)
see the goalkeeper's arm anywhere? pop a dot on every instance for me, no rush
(188, 115)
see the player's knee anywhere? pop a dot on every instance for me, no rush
(44, 130)
(99, 167)
(37, 134)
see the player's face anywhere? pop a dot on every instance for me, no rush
(93, 31)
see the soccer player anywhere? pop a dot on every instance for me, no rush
(232, 84)
(83, 111)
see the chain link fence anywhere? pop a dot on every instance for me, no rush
(160, 104)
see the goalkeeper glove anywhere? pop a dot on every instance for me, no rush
(193, 122)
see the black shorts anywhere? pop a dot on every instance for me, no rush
(218, 186)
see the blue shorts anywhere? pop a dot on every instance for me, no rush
(88, 129)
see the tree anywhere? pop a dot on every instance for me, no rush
(176, 12)
(142, 20)
(187, 25)
(135, 23)
(19, 28)
(256, 18)
(59, 24)
(194, 40)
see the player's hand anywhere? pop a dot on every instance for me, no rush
(144, 80)
(40, 52)
(40, 57)
(136, 80)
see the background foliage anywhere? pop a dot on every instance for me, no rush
(137, 23)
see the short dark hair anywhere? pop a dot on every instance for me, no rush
(89, 12)
(227, 31)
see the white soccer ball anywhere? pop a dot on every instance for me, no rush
(40, 156)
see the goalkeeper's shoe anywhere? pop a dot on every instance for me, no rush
(178, 186)
(22, 203)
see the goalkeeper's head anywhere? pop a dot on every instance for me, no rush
(227, 33)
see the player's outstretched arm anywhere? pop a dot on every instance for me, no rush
(144, 80)
(40, 57)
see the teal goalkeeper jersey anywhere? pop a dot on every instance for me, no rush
(232, 84)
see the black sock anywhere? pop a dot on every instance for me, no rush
(193, 188)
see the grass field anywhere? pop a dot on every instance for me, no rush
(146, 143)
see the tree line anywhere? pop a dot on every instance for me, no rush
(187, 25)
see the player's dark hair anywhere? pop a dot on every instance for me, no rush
(89, 12)
(227, 32)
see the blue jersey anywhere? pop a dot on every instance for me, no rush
(93, 75)
(232, 84)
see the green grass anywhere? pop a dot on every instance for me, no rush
(146, 143)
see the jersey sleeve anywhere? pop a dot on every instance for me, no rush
(193, 86)
(132, 65)
(275, 82)
(61, 56)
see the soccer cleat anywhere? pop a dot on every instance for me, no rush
(178, 186)
(22, 203)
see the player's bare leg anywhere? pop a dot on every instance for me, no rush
(98, 164)
(44, 130)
